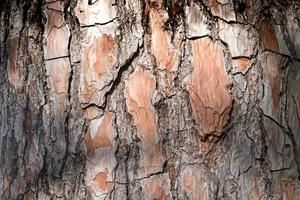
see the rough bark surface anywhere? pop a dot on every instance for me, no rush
(150, 99)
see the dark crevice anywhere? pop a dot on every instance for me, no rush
(56, 58)
(116, 81)
(99, 24)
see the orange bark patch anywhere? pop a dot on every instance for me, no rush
(101, 55)
(91, 112)
(158, 187)
(198, 183)
(255, 193)
(215, 6)
(88, 92)
(104, 135)
(89, 143)
(224, 11)
(205, 146)
(162, 48)
(138, 92)
(55, 19)
(56, 35)
(268, 37)
(59, 70)
(172, 174)
(140, 88)
(287, 190)
(208, 86)
(242, 64)
(105, 54)
(189, 181)
(101, 181)
(98, 59)
(57, 43)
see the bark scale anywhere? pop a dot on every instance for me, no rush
(150, 99)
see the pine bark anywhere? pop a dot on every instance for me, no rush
(150, 99)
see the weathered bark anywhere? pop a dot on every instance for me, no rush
(150, 99)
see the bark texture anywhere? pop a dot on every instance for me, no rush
(150, 99)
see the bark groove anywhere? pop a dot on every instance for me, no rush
(150, 99)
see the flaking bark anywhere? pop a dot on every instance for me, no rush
(150, 99)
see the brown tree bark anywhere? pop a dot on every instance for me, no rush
(150, 99)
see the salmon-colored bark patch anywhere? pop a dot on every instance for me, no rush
(287, 189)
(255, 192)
(89, 143)
(208, 86)
(103, 136)
(242, 64)
(206, 145)
(158, 187)
(55, 19)
(101, 162)
(105, 54)
(87, 91)
(197, 183)
(101, 181)
(59, 72)
(98, 59)
(57, 35)
(189, 181)
(138, 93)
(161, 45)
(101, 55)
(225, 11)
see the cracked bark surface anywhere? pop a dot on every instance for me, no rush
(150, 99)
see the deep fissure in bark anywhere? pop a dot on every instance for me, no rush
(136, 99)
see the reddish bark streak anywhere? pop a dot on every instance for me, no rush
(208, 86)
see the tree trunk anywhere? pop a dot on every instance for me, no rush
(150, 99)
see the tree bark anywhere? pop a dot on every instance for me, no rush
(150, 99)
